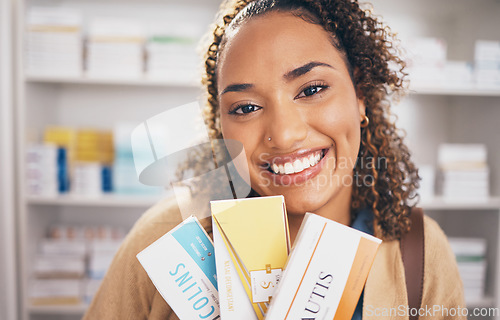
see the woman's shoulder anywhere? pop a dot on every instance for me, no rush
(438, 252)
(436, 242)
(442, 283)
(433, 233)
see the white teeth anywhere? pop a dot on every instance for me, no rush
(306, 163)
(312, 160)
(298, 166)
(289, 168)
(281, 169)
(276, 168)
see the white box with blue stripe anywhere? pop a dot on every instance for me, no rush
(181, 265)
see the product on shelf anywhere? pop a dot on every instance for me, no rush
(427, 61)
(487, 64)
(428, 67)
(59, 266)
(53, 42)
(63, 246)
(83, 162)
(426, 188)
(171, 53)
(42, 170)
(103, 243)
(458, 74)
(56, 291)
(93, 157)
(115, 48)
(465, 172)
(71, 262)
(86, 179)
(64, 138)
(125, 180)
(471, 261)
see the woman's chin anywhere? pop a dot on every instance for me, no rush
(302, 202)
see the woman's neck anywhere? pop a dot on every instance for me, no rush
(337, 209)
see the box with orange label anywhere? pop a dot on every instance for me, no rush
(251, 243)
(325, 273)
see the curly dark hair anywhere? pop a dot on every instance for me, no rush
(377, 71)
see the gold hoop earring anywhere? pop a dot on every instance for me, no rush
(364, 123)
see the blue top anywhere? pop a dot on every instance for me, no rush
(363, 222)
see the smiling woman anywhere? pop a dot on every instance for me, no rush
(305, 86)
(301, 95)
(315, 77)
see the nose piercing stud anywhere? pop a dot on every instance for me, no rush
(269, 139)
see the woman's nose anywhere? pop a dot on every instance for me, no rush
(287, 126)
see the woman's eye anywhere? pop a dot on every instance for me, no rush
(245, 109)
(311, 90)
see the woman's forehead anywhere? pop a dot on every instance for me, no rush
(275, 43)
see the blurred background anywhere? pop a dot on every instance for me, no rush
(76, 76)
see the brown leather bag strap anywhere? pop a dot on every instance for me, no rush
(412, 253)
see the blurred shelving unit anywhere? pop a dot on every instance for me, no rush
(438, 203)
(76, 310)
(434, 115)
(456, 91)
(454, 113)
(117, 201)
(84, 100)
(141, 82)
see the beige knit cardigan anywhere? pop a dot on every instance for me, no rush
(128, 293)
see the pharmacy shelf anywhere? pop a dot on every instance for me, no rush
(486, 302)
(455, 91)
(111, 200)
(101, 201)
(78, 309)
(146, 81)
(142, 81)
(440, 203)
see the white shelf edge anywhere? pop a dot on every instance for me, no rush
(100, 201)
(78, 309)
(485, 302)
(455, 91)
(114, 200)
(146, 81)
(141, 81)
(439, 203)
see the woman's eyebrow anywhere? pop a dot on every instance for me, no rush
(290, 75)
(237, 87)
(300, 71)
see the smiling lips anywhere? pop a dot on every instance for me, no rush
(287, 166)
